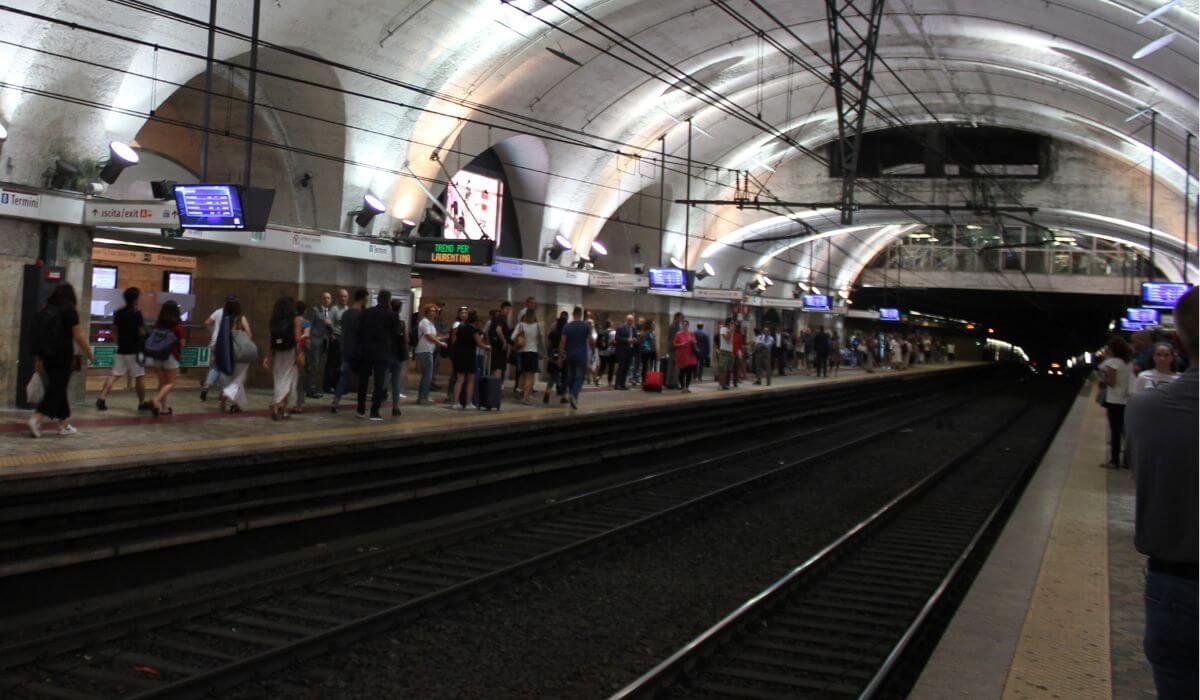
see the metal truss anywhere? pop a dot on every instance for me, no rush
(853, 36)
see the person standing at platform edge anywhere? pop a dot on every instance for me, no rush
(333, 359)
(525, 338)
(764, 343)
(377, 333)
(398, 362)
(285, 328)
(703, 350)
(1115, 377)
(626, 340)
(821, 347)
(575, 345)
(685, 346)
(725, 363)
(427, 347)
(320, 316)
(351, 350)
(56, 334)
(131, 329)
(1163, 451)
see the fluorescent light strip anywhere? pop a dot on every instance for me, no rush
(113, 241)
(1155, 14)
(1155, 45)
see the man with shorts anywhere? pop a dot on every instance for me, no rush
(131, 330)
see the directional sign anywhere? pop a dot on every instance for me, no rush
(151, 213)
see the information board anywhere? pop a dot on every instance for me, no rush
(668, 278)
(1142, 315)
(815, 302)
(194, 356)
(442, 252)
(104, 354)
(889, 314)
(104, 277)
(1163, 295)
(1127, 325)
(209, 206)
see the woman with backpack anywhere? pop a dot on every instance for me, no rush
(233, 395)
(162, 354)
(280, 359)
(56, 334)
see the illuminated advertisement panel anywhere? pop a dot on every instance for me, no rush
(473, 207)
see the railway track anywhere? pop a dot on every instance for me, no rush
(860, 616)
(57, 529)
(198, 646)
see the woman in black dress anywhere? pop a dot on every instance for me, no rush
(467, 337)
(59, 323)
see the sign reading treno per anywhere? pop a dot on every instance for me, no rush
(458, 252)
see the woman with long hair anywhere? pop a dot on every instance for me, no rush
(525, 338)
(233, 395)
(1115, 376)
(162, 348)
(451, 339)
(56, 335)
(468, 338)
(556, 365)
(280, 358)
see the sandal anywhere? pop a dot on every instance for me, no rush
(274, 412)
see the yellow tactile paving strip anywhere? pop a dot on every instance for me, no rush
(1063, 651)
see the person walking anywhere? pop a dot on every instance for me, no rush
(703, 347)
(320, 319)
(212, 382)
(398, 362)
(428, 345)
(131, 330)
(377, 334)
(526, 338)
(574, 345)
(351, 347)
(233, 394)
(556, 366)
(468, 338)
(286, 327)
(56, 335)
(162, 348)
(626, 339)
(1162, 452)
(685, 345)
(1115, 376)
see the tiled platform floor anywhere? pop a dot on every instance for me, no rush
(1056, 612)
(121, 437)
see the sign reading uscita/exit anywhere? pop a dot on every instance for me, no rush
(459, 252)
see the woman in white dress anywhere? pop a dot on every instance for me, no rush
(233, 395)
(280, 358)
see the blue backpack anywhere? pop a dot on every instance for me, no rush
(159, 343)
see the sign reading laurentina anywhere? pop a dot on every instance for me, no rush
(147, 213)
(457, 252)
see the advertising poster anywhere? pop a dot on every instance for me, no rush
(473, 207)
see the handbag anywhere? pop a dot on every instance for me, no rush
(519, 343)
(35, 390)
(244, 349)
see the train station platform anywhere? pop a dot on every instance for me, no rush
(121, 443)
(1056, 611)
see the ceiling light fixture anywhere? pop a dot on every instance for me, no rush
(600, 248)
(372, 206)
(706, 270)
(1155, 14)
(3, 133)
(1154, 45)
(120, 156)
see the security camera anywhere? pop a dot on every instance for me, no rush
(639, 269)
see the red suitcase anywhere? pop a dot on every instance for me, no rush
(653, 382)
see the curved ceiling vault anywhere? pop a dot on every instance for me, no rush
(1059, 67)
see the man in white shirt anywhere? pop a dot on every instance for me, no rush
(725, 353)
(427, 346)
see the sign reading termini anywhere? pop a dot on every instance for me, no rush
(442, 252)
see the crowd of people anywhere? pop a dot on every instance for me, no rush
(322, 350)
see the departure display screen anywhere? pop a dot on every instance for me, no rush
(209, 206)
(445, 252)
(1163, 295)
(1142, 315)
(815, 302)
(889, 314)
(668, 278)
(1127, 325)
(104, 277)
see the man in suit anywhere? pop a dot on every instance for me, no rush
(376, 335)
(627, 340)
(320, 315)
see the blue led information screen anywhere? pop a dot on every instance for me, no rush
(1142, 315)
(668, 278)
(209, 206)
(889, 314)
(1163, 295)
(819, 302)
(1127, 325)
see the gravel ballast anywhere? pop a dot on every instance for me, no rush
(585, 630)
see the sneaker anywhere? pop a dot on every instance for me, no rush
(375, 417)
(395, 412)
(360, 414)
(34, 428)
(101, 405)
(68, 429)
(401, 397)
(574, 402)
